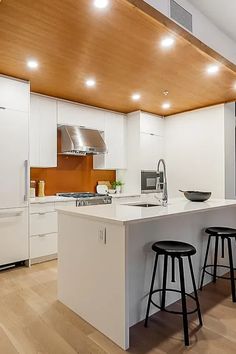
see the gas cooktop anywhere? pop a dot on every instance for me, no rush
(87, 198)
(79, 195)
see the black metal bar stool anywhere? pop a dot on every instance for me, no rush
(179, 250)
(223, 233)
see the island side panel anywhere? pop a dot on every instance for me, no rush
(188, 228)
(91, 274)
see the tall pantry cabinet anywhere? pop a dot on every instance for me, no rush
(14, 176)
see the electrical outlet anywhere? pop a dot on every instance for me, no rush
(102, 235)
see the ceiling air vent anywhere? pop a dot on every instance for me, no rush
(180, 15)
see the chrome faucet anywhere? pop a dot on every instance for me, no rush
(164, 200)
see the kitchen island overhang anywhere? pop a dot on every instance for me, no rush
(105, 258)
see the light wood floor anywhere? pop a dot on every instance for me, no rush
(33, 321)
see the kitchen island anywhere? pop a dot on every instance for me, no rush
(105, 256)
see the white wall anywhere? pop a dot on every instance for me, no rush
(229, 136)
(203, 28)
(195, 153)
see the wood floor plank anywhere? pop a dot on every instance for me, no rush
(32, 321)
(7, 342)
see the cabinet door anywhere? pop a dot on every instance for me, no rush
(43, 132)
(115, 139)
(76, 114)
(13, 154)
(151, 124)
(14, 242)
(34, 131)
(14, 94)
(151, 149)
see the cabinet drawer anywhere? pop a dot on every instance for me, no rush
(42, 208)
(43, 223)
(43, 245)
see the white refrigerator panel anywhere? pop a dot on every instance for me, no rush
(14, 242)
(14, 172)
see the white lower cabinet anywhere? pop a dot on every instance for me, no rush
(14, 245)
(44, 230)
(43, 223)
(43, 245)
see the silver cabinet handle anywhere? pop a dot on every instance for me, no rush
(9, 214)
(26, 165)
(2, 107)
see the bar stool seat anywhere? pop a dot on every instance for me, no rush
(224, 234)
(174, 250)
(221, 231)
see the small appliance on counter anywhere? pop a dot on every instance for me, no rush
(87, 198)
(41, 189)
(102, 189)
(150, 180)
(32, 189)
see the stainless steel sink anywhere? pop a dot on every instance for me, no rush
(144, 205)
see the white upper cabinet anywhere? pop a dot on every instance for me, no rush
(151, 150)
(76, 114)
(151, 140)
(14, 94)
(111, 125)
(151, 124)
(115, 139)
(43, 131)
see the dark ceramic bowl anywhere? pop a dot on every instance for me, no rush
(196, 196)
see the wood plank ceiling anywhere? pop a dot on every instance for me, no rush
(118, 46)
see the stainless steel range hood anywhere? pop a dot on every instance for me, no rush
(79, 141)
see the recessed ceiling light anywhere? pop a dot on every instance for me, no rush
(213, 69)
(136, 96)
(32, 64)
(101, 4)
(166, 105)
(167, 42)
(90, 82)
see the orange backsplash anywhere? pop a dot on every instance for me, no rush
(72, 174)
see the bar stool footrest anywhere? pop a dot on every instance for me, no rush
(175, 312)
(218, 266)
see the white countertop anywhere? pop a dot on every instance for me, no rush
(50, 199)
(124, 195)
(124, 214)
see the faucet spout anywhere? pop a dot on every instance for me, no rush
(164, 183)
